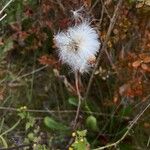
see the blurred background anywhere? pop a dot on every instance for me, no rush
(38, 98)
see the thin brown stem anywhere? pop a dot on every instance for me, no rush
(105, 9)
(101, 18)
(95, 3)
(79, 99)
(78, 108)
(11, 109)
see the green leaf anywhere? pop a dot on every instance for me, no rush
(81, 145)
(32, 121)
(31, 136)
(82, 133)
(91, 123)
(22, 115)
(73, 101)
(28, 125)
(54, 125)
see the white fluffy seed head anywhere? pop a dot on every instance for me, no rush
(77, 46)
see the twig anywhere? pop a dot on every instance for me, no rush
(103, 5)
(95, 3)
(101, 18)
(103, 50)
(10, 129)
(61, 5)
(62, 111)
(25, 75)
(3, 17)
(127, 132)
(30, 73)
(1, 11)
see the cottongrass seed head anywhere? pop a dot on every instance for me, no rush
(78, 46)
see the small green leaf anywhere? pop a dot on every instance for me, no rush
(22, 115)
(32, 121)
(28, 125)
(82, 133)
(31, 136)
(91, 123)
(53, 125)
(73, 101)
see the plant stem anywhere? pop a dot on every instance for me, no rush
(79, 99)
(12, 128)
